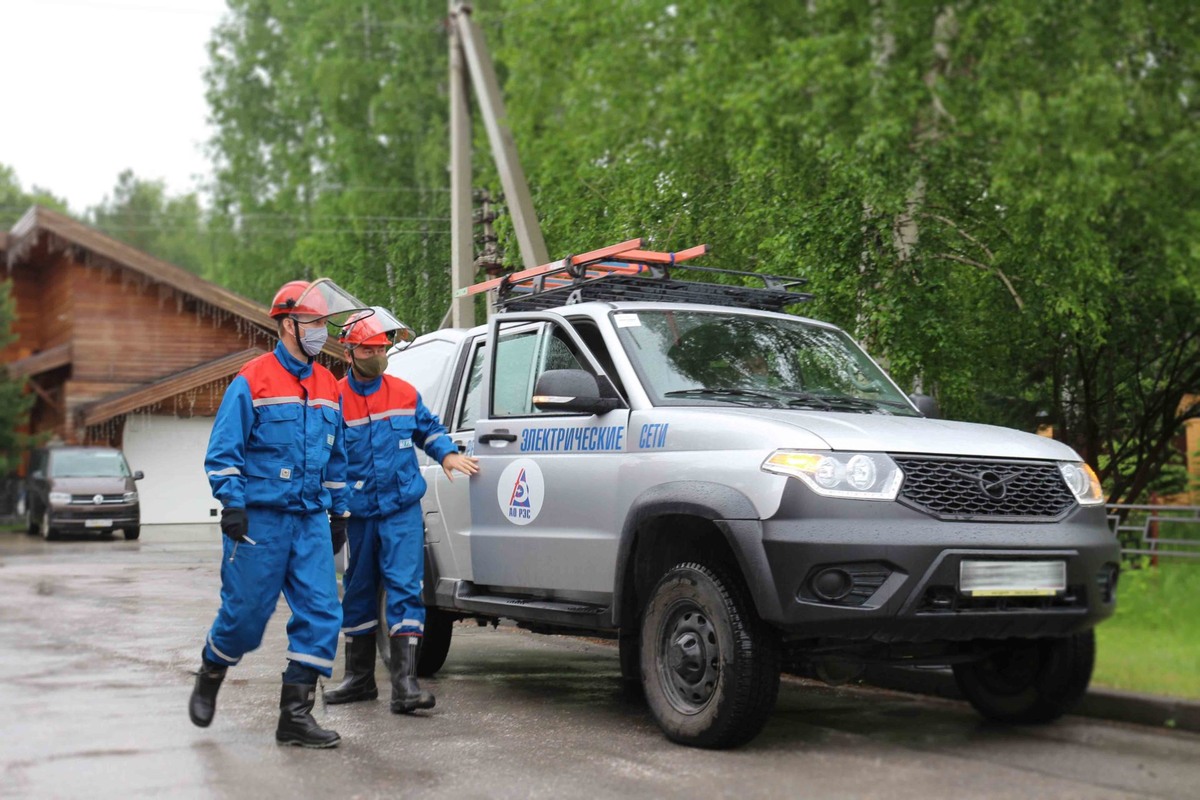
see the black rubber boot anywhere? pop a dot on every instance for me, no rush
(203, 703)
(296, 723)
(406, 692)
(359, 683)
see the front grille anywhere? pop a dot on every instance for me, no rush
(90, 499)
(960, 489)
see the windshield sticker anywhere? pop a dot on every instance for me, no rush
(627, 321)
(653, 435)
(520, 491)
(549, 440)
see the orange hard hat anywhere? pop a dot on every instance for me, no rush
(294, 298)
(375, 326)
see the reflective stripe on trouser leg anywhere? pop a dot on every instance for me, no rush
(402, 559)
(250, 586)
(360, 600)
(310, 589)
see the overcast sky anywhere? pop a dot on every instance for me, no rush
(93, 87)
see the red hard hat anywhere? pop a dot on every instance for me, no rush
(375, 326)
(294, 298)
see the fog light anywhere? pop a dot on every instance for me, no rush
(832, 584)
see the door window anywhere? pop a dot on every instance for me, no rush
(522, 355)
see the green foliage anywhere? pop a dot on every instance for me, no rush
(141, 214)
(14, 402)
(998, 198)
(331, 150)
(1152, 644)
(15, 201)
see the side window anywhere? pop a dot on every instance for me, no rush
(523, 355)
(468, 407)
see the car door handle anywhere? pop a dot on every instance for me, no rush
(497, 437)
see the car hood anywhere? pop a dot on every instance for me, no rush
(89, 485)
(890, 434)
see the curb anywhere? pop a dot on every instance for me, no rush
(1099, 703)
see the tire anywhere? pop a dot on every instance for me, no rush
(710, 667)
(1030, 680)
(629, 647)
(47, 532)
(435, 644)
(132, 533)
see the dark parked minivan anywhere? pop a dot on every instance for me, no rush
(81, 490)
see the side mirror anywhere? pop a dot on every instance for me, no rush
(571, 390)
(926, 405)
(138, 475)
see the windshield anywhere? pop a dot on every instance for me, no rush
(704, 358)
(88, 464)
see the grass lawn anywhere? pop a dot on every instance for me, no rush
(1152, 643)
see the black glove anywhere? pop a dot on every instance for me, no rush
(337, 531)
(234, 524)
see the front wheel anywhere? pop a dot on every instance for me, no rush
(1029, 680)
(132, 532)
(48, 533)
(710, 667)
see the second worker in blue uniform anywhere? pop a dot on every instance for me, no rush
(384, 422)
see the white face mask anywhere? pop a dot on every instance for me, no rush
(313, 340)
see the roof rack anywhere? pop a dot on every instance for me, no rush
(624, 272)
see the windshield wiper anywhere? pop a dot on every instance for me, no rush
(722, 393)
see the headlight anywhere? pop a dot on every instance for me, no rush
(130, 497)
(60, 498)
(1083, 482)
(862, 476)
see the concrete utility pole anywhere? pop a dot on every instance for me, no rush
(462, 267)
(467, 46)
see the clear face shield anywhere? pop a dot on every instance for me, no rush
(326, 301)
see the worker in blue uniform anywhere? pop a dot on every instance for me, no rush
(385, 421)
(277, 463)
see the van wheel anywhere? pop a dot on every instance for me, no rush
(1030, 680)
(132, 533)
(710, 667)
(48, 533)
(435, 644)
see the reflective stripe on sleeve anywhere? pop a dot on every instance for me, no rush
(226, 471)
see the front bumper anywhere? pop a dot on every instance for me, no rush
(94, 519)
(904, 568)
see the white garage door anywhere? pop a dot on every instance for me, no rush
(170, 451)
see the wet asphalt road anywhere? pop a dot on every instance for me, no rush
(98, 640)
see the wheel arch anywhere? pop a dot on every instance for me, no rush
(682, 520)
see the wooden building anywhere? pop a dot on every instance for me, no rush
(127, 350)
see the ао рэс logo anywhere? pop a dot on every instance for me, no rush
(520, 491)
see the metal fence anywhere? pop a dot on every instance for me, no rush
(1156, 531)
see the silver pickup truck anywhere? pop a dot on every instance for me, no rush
(726, 490)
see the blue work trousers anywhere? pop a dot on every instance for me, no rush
(292, 554)
(387, 550)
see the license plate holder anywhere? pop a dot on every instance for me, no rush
(97, 523)
(987, 578)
